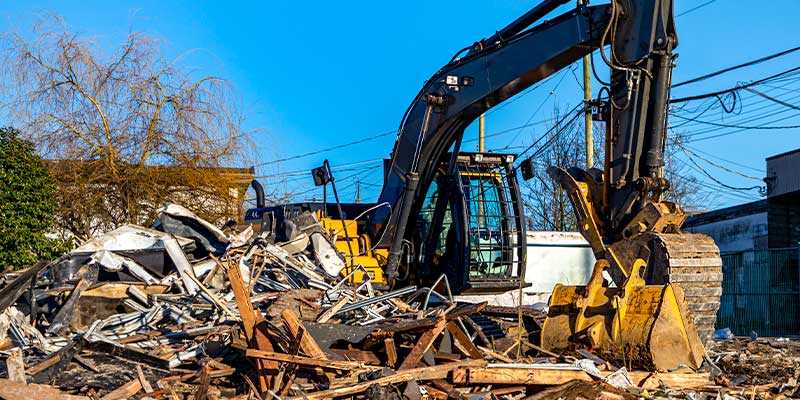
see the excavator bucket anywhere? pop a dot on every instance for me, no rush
(638, 326)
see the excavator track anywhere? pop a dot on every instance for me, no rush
(692, 261)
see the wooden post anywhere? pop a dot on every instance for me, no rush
(481, 133)
(587, 115)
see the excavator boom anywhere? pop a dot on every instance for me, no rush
(436, 203)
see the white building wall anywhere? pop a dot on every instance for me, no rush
(746, 232)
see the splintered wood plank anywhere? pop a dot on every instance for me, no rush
(364, 356)
(87, 275)
(329, 313)
(419, 374)
(243, 302)
(544, 376)
(45, 364)
(15, 365)
(145, 384)
(307, 343)
(15, 390)
(435, 394)
(305, 361)
(518, 376)
(462, 310)
(423, 344)
(125, 391)
(254, 325)
(391, 352)
(452, 393)
(463, 340)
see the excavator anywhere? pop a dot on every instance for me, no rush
(654, 292)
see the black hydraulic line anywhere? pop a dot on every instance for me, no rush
(654, 158)
(339, 209)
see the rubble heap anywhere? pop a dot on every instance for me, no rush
(187, 310)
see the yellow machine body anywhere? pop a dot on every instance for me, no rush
(633, 324)
(640, 326)
(357, 251)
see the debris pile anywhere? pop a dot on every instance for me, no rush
(187, 310)
(767, 366)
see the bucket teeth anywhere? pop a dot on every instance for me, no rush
(658, 323)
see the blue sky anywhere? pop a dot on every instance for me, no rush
(316, 74)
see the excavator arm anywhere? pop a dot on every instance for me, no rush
(635, 235)
(641, 36)
(493, 70)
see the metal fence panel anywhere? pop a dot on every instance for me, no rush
(761, 293)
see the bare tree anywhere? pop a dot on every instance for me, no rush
(125, 132)
(685, 188)
(546, 204)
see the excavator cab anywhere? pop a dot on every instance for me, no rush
(470, 226)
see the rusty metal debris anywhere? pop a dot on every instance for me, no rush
(143, 313)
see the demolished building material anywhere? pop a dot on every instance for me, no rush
(273, 320)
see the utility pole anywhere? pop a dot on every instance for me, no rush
(587, 95)
(481, 133)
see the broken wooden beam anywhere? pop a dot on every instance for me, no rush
(522, 374)
(15, 390)
(125, 391)
(307, 343)
(391, 352)
(463, 341)
(424, 373)
(253, 324)
(306, 361)
(87, 275)
(423, 344)
(15, 366)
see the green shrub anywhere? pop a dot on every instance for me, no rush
(27, 204)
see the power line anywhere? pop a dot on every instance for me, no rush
(338, 168)
(706, 173)
(783, 103)
(560, 125)
(549, 95)
(695, 8)
(735, 67)
(693, 154)
(733, 89)
(717, 189)
(769, 109)
(725, 160)
(364, 140)
(759, 127)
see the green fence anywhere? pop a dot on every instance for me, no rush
(761, 293)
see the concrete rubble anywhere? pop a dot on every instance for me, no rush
(186, 310)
